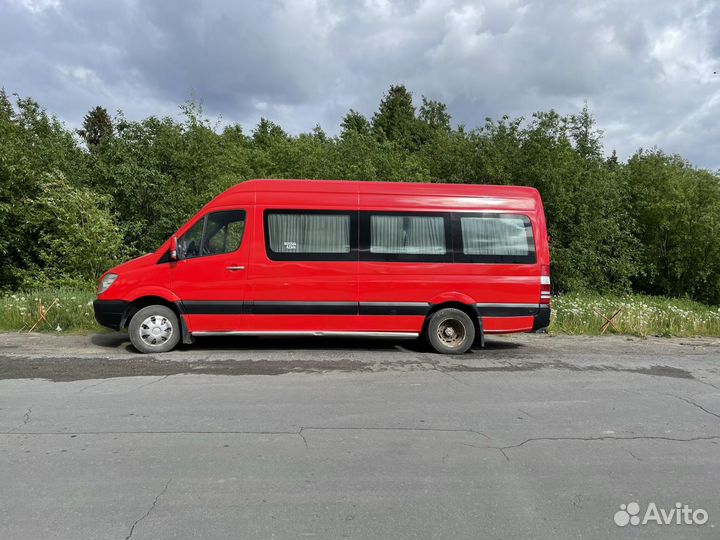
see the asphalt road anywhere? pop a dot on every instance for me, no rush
(532, 437)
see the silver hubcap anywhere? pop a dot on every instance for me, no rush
(155, 330)
(451, 332)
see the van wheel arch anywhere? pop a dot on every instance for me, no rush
(155, 329)
(469, 310)
(145, 301)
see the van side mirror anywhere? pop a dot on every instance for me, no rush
(173, 249)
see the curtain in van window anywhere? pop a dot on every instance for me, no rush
(407, 234)
(494, 235)
(309, 233)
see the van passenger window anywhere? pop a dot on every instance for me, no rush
(497, 238)
(409, 235)
(224, 232)
(298, 233)
(221, 232)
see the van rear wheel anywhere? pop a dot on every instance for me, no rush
(450, 331)
(154, 329)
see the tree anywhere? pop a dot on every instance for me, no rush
(650, 224)
(587, 139)
(267, 132)
(97, 127)
(434, 115)
(354, 122)
(395, 119)
(677, 208)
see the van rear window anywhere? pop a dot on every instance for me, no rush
(502, 238)
(303, 236)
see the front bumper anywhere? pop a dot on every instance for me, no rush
(542, 319)
(110, 313)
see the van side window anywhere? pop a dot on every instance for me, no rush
(214, 234)
(309, 235)
(407, 234)
(500, 238)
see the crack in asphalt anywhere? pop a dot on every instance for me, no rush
(152, 507)
(161, 432)
(716, 387)
(503, 449)
(425, 359)
(453, 377)
(93, 385)
(300, 433)
(691, 402)
(527, 413)
(152, 382)
(419, 429)
(26, 419)
(608, 438)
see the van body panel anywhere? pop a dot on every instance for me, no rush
(215, 283)
(376, 201)
(150, 290)
(507, 325)
(324, 292)
(255, 289)
(140, 277)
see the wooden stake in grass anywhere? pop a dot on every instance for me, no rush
(608, 321)
(43, 311)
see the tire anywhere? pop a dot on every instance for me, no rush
(154, 323)
(450, 331)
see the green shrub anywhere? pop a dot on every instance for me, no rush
(75, 234)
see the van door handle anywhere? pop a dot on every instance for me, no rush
(234, 268)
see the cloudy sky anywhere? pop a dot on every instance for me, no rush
(645, 67)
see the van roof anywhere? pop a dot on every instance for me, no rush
(379, 188)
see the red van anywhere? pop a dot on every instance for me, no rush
(449, 262)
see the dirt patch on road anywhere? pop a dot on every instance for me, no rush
(657, 371)
(74, 369)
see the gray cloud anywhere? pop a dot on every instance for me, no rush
(645, 68)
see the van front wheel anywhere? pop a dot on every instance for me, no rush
(450, 331)
(154, 329)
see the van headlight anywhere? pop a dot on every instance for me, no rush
(105, 282)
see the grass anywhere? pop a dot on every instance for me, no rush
(72, 312)
(68, 310)
(639, 315)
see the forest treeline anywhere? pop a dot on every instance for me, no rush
(74, 203)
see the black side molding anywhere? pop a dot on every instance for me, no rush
(213, 307)
(239, 307)
(506, 310)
